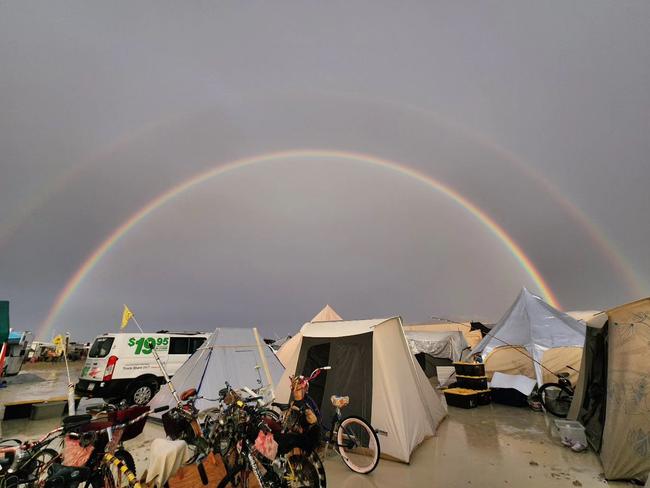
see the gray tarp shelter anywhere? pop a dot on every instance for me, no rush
(534, 326)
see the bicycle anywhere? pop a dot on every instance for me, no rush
(352, 437)
(93, 452)
(556, 398)
(26, 463)
(243, 459)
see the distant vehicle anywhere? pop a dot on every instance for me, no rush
(122, 366)
(38, 350)
(17, 346)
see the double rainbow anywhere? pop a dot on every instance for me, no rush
(75, 280)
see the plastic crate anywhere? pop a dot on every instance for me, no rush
(472, 382)
(569, 430)
(462, 398)
(470, 369)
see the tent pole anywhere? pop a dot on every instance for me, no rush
(264, 363)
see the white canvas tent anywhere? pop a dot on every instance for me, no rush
(372, 364)
(237, 356)
(532, 328)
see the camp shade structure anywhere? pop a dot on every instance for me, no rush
(533, 329)
(372, 364)
(237, 356)
(472, 337)
(612, 397)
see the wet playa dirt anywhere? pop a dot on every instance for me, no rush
(494, 445)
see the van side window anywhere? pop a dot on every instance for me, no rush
(195, 343)
(179, 345)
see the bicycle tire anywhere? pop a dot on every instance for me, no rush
(312, 459)
(559, 403)
(41, 469)
(369, 452)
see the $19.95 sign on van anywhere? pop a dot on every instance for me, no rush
(144, 345)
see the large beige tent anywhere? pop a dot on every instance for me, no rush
(372, 364)
(533, 329)
(612, 398)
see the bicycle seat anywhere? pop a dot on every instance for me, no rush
(281, 406)
(71, 422)
(188, 394)
(340, 402)
(563, 374)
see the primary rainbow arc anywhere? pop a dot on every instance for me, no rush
(75, 280)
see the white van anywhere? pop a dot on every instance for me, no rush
(122, 366)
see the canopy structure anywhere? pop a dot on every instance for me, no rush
(612, 397)
(449, 345)
(328, 314)
(532, 328)
(237, 356)
(472, 337)
(372, 364)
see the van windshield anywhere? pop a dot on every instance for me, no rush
(101, 347)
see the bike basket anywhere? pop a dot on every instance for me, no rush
(74, 454)
(340, 402)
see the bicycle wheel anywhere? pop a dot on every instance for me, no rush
(556, 399)
(39, 465)
(358, 444)
(305, 471)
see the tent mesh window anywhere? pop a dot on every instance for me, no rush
(351, 360)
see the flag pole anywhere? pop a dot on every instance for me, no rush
(160, 365)
(71, 406)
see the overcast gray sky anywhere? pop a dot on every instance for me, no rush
(537, 112)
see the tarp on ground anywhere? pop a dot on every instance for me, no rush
(534, 327)
(235, 355)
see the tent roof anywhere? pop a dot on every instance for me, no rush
(533, 323)
(328, 314)
(341, 328)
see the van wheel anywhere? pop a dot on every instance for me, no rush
(141, 393)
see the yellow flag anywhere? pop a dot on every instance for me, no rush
(126, 316)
